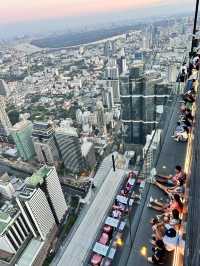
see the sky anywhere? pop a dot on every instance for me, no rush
(43, 17)
(12, 11)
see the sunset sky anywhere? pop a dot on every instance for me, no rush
(27, 10)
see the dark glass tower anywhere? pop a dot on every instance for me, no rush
(140, 94)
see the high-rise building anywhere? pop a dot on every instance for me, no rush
(46, 182)
(108, 49)
(5, 123)
(111, 72)
(70, 149)
(4, 89)
(140, 96)
(122, 65)
(14, 230)
(101, 123)
(21, 133)
(108, 99)
(6, 187)
(172, 72)
(36, 210)
(44, 141)
(114, 84)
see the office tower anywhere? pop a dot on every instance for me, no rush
(14, 230)
(21, 133)
(36, 210)
(145, 42)
(122, 65)
(140, 96)
(5, 123)
(44, 141)
(46, 180)
(70, 149)
(149, 151)
(6, 187)
(112, 62)
(172, 72)
(108, 100)
(100, 117)
(108, 49)
(111, 72)
(114, 84)
(79, 115)
(138, 55)
(4, 89)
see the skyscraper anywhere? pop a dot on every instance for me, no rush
(70, 149)
(114, 84)
(47, 181)
(101, 123)
(111, 72)
(108, 48)
(4, 89)
(36, 210)
(108, 99)
(21, 133)
(44, 141)
(5, 123)
(140, 95)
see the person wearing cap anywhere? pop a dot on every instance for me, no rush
(170, 239)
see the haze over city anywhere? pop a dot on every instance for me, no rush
(18, 17)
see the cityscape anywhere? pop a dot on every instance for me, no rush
(93, 125)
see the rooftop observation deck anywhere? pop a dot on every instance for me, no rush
(138, 231)
(171, 154)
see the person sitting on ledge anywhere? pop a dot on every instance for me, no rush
(181, 133)
(175, 203)
(179, 188)
(158, 253)
(171, 180)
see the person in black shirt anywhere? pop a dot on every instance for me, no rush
(158, 253)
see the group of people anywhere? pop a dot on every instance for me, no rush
(167, 229)
(185, 122)
(166, 226)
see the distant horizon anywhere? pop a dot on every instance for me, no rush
(46, 25)
(14, 11)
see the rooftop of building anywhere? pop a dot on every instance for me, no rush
(70, 131)
(30, 253)
(21, 125)
(38, 177)
(81, 242)
(4, 178)
(8, 210)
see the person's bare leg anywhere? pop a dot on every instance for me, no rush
(160, 180)
(157, 208)
(162, 187)
(158, 203)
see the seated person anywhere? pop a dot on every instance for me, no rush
(179, 188)
(158, 253)
(188, 99)
(175, 203)
(181, 132)
(171, 180)
(174, 219)
(160, 227)
(125, 191)
(170, 239)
